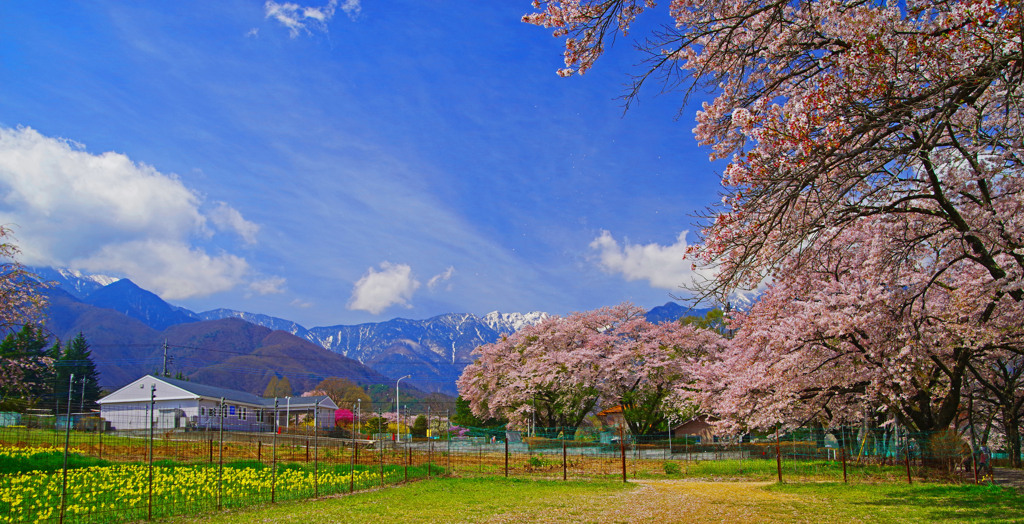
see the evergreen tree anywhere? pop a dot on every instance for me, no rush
(26, 372)
(278, 387)
(271, 388)
(77, 359)
(419, 426)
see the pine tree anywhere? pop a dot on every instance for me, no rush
(278, 387)
(77, 359)
(27, 374)
(271, 388)
(284, 388)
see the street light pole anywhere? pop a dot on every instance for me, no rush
(398, 413)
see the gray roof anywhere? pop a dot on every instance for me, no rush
(215, 392)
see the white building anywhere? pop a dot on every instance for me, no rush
(183, 404)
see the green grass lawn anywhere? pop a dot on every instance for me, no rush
(906, 503)
(502, 500)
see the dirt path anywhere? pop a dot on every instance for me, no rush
(694, 501)
(1009, 477)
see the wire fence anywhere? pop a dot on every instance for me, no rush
(123, 476)
(120, 476)
(851, 455)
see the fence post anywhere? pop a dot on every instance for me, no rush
(506, 455)
(220, 459)
(381, 443)
(67, 442)
(408, 459)
(273, 477)
(316, 449)
(352, 456)
(622, 450)
(842, 446)
(778, 451)
(152, 408)
(906, 455)
(448, 443)
(564, 475)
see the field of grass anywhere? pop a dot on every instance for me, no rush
(513, 500)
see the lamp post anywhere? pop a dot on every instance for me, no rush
(398, 413)
(359, 412)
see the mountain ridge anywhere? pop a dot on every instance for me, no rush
(433, 350)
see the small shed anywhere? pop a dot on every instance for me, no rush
(699, 426)
(612, 416)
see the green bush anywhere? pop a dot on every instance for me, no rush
(672, 468)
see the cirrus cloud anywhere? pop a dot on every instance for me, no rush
(299, 19)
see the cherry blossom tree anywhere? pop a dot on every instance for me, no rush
(1002, 387)
(21, 300)
(545, 373)
(559, 370)
(24, 364)
(646, 368)
(832, 110)
(854, 327)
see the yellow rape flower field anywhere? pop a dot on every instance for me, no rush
(121, 492)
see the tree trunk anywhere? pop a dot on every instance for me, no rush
(1011, 424)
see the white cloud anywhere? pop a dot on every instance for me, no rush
(662, 266)
(379, 290)
(268, 286)
(105, 213)
(253, 33)
(172, 270)
(298, 18)
(442, 277)
(227, 218)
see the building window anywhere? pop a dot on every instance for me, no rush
(202, 411)
(242, 414)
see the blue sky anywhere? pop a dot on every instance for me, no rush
(343, 162)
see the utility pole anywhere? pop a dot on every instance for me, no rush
(165, 358)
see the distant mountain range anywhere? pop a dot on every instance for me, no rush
(126, 326)
(228, 352)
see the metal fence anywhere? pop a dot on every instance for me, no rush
(119, 476)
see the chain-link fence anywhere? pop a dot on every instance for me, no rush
(119, 476)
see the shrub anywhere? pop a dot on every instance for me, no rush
(672, 468)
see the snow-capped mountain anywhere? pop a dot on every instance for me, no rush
(505, 323)
(434, 351)
(76, 283)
